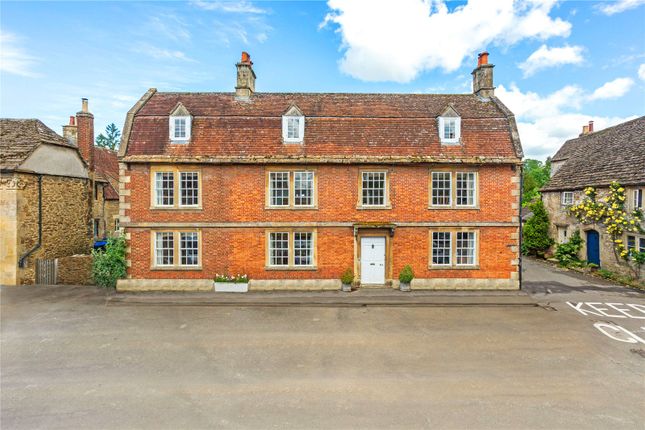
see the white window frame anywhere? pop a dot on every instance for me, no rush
(638, 193)
(285, 129)
(181, 189)
(310, 250)
(442, 126)
(432, 191)
(474, 190)
(310, 178)
(564, 200)
(271, 188)
(177, 249)
(181, 248)
(271, 248)
(432, 248)
(474, 249)
(385, 189)
(156, 249)
(171, 124)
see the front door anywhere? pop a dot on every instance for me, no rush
(373, 260)
(593, 247)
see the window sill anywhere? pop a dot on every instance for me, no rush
(475, 267)
(451, 142)
(372, 208)
(176, 208)
(459, 208)
(292, 208)
(174, 268)
(179, 141)
(291, 268)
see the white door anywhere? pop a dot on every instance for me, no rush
(373, 260)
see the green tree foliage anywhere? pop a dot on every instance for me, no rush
(109, 264)
(567, 253)
(407, 275)
(535, 234)
(110, 139)
(347, 277)
(534, 176)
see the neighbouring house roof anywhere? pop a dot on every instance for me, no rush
(338, 126)
(20, 137)
(596, 159)
(106, 166)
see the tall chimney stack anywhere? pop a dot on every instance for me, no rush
(245, 77)
(483, 77)
(590, 126)
(85, 134)
(70, 130)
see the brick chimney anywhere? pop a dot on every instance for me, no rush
(590, 126)
(483, 77)
(586, 129)
(245, 77)
(70, 131)
(85, 134)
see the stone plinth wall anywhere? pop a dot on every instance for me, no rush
(75, 270)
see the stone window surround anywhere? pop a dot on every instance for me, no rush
(301, 129)
(359, 203)
(453, 188)
(171, 129)
(453, 249)
(291, 266)
(176, 170)
(442, 125)
(564, 201)
(177, 252)
(292, 199)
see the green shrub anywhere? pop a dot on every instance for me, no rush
(108, 264)
(407, 275)
(535, 234)
(606, 274)
(567, 253)
(347, 277)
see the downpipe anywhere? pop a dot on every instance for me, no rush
(519, 215)
(23, 258)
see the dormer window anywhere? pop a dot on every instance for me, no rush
(179, 124)
(293, 125)
(449, 126)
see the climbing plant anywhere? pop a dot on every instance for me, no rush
(610, 213)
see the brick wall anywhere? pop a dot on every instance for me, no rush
(236, 194)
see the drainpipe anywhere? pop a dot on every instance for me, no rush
(23, 258)
(521, 226)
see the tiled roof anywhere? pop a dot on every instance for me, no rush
(107, 166)
(20, 137)
(336, 125)
(596, 159)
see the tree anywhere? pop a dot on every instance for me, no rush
(111, 141)
(534, 176)
(109, 265)
(535, 234)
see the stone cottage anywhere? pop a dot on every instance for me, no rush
(294, 188)
(595, 159)
(44, 199)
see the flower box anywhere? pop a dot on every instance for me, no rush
(231, 287)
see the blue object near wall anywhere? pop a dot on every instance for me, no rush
(593, 247)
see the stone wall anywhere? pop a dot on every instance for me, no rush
(9, 188)
(75, 270)
(65, 225)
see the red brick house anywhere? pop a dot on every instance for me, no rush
(294, 188)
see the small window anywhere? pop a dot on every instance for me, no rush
(279, 249)
(465, 248)
(441, 188)
(189, 248)
(97, 227)
(293, 128)
(567, 198)
(303, 186)
(638, 199)
(441, 248)
(631, 243)
(279, 188)
(180, 129)
(449, 129)
(465, 188)
(164, 188)
(373, 189)
(116, 224)
(641, 244)
(189, 188)
(164, 248)
(303, 249)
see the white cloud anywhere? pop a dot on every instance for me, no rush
(619, 6)
(169, 26)
(395, 41)
(612, 89)
(229, 6)
(160, 53)
(546, 122)
(641, 71)
(13, 58)
(546, 57)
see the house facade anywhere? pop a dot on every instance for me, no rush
(596, 159)
(294, 188)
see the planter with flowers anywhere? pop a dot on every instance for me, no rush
(405, 278)
(231, 283)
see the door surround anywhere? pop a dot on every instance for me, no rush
(373, 231)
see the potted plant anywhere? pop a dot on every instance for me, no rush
(231, 284)
(405, 277)
(347, 279)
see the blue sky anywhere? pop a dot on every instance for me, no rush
(558, 64)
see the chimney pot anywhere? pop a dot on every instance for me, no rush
(84, 105)
(585, 130)
(246, 58)
(72, 120)
(245, 77)
(482, 58)
(590, 126)
(483, 77)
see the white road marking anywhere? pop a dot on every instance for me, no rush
(618, 333)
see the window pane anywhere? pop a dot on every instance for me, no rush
(373, 188)
(465, 189)
(164, 248)
(189, 188)
(567, 198)
(465, 250)
(189, 248)
(279, 188)
(441, 188)
(441, 247)
(180, 128)
(638, 199)
(449, 128)
(641, 244)
(302, 249)
(164, 188)
(293, 128)
(303, 184)
(279, 249)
